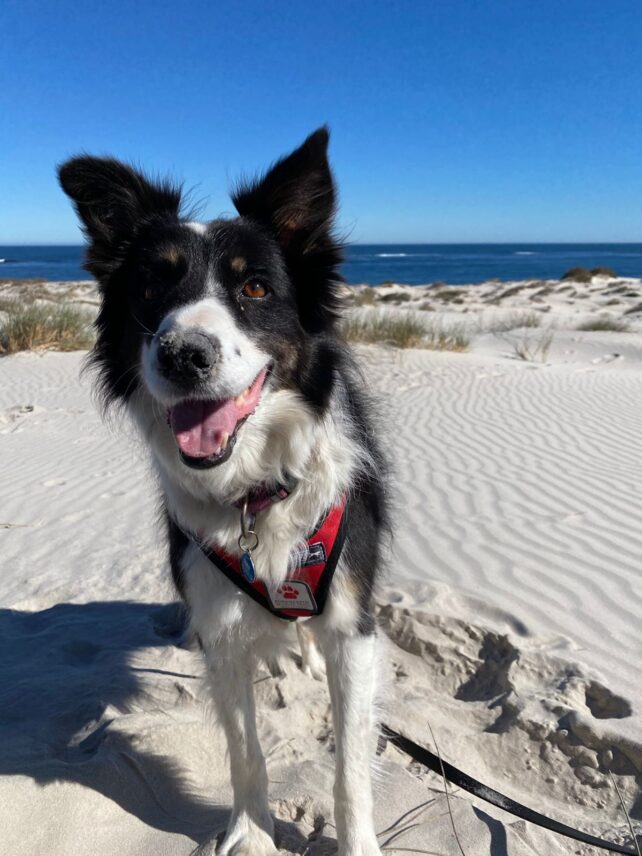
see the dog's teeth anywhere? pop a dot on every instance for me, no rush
(224, 441)
(240, 399)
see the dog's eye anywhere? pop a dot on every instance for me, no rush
(255, 289)
(151, 292)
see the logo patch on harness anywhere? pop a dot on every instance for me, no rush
(292, 594)
(313, 554)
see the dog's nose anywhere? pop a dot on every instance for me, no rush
(187, 356)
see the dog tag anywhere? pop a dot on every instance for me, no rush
(247, 566)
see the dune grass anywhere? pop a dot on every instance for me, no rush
(604, 323)
(404, 331)
(36, 326)
(511, 321)
(530, 347)
(366, 296)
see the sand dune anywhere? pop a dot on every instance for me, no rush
(511, 615)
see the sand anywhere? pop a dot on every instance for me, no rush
(510, 614)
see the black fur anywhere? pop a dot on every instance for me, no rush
(178, 543)
(147, 262)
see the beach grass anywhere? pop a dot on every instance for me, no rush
(367, 296)
(531, 348)
(404, 331)
(511, 321)
(35, 326)
(396, 297)
(604, 323)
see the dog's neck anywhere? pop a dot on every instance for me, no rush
(284, 439)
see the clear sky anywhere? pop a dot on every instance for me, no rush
(452, 120)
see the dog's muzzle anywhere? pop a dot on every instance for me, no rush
(187, 357)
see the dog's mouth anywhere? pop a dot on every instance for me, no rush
(206, 431)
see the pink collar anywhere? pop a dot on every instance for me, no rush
(262, 497)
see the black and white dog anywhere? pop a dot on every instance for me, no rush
(221, 341)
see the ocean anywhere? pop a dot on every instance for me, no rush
(413, 264)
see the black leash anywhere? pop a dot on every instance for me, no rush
(461, 780)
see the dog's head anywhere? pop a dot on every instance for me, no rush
(212, 318)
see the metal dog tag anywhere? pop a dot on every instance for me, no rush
(247, 566)
(248, 541)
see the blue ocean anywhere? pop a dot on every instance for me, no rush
(414, 264)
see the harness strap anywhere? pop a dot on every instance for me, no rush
(311, 579)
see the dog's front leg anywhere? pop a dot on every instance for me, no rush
(251, 828)
(350, 662)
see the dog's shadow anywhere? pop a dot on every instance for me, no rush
(66, 673)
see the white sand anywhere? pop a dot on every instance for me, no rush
(512, 608)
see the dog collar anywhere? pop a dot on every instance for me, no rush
(261, 497)
(304, 591)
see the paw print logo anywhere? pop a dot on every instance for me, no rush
(288, 592)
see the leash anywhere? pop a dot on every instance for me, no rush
(242, 572)
(462, 780)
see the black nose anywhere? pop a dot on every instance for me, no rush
(187, 356)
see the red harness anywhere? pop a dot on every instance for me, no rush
(303, 593)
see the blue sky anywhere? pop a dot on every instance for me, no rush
(452, 120)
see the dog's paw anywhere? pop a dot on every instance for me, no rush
(245, 838)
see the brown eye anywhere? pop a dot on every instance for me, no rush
(255, 290)
(150, 293)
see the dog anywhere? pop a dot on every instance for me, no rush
(222, 341)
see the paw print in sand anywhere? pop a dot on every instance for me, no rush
(288, 592)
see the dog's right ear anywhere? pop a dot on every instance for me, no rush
(112, 200)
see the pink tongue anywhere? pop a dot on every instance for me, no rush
(199, 426)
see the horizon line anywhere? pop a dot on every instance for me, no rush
(402, 243)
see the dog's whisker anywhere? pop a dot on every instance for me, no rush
(142, 326)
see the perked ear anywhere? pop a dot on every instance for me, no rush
(112, 200)
(296, 201)
(296, 197)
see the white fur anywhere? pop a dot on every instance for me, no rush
(283, 436)
(312, 663)
(199, 228)
(350, 662)
(239, 363)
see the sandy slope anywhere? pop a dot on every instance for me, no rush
(512, 614)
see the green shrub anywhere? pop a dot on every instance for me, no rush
(395, 297)
(367, 296)
(603, 322)
(450, 294)
(578, 274)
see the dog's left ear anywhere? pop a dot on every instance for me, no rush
(296, 197)
(296, 200)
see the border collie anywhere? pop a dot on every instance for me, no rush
(221, 340)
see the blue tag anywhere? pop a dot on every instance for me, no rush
(247, 566)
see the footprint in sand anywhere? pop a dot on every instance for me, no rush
(607, 358)
(12, 415)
